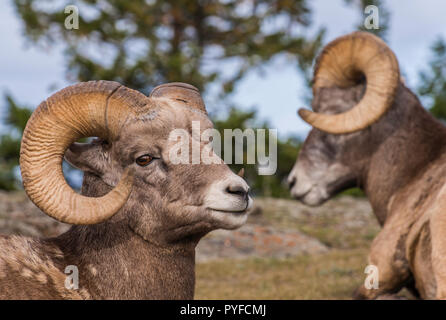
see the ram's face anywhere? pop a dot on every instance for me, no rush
(174, 193)
(320, 172)
(328, 163)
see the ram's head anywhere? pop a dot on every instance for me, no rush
(129, 166)
(356, 79)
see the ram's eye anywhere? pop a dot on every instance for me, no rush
(144, 160)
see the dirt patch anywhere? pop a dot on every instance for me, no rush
(254, 240)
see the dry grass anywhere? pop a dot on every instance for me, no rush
(334, 275)
(347, 226)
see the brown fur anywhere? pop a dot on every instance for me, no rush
(400, 164)
(147, 249)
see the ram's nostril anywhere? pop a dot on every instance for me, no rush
(237, 190)
(291, 182)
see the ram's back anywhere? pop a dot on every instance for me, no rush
(31, 269)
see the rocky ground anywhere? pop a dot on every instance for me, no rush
(276, 228)
(281, 228)
(285, 251)
(18, 215)
(289, 251)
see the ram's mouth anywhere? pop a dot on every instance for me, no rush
(235, 211)
(301, 195)
(313, 197)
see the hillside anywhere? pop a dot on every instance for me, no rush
(285, 251)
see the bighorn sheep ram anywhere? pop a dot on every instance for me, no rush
(371, 131)
(139, 217)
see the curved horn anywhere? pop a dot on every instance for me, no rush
(340, 64)
(96, 108)
(181, 92)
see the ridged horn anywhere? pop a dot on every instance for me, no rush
(340, 64)
(96, 108)
(180, 92)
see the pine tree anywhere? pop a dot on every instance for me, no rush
(14, 124)
(287, 151)
(433, 80)
(144, 43)
(210, 44)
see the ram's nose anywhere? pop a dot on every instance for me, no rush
(230, 195)
(238, 190)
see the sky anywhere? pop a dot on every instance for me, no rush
(31, 74)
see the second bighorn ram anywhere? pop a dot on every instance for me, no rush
(371, 131)
(139, 217)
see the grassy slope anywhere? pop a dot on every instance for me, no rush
(345, 227)
(333, 275)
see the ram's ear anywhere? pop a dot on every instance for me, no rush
(89, 157)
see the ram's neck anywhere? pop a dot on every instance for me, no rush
(116, 263)
(410, 139)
